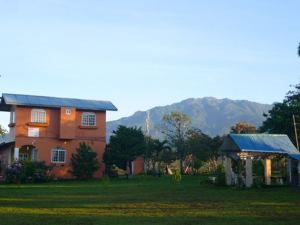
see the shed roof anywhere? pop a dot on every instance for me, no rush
(8, 100)
(263, 143)
(5, 139)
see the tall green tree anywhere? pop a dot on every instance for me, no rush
(280, 118)
(176, 126)
(202, 146)
(125, 145)
(160, 152)
(84, 163)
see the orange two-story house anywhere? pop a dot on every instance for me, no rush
(50, 129)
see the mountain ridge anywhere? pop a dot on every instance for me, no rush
(212, 115)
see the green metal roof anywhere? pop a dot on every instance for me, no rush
(8, 100)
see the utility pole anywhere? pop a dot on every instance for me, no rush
(296, 134)
(147, 133)
(147, 124)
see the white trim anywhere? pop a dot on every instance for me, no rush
(16, 154)
(59, 150)
(12, 116)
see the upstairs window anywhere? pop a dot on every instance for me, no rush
(38, 116)
(88, 119)
(58, 155)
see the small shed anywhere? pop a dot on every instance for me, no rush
(246, 148)
(6, 144)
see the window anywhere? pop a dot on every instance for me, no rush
(33, 132)
(34, 154)
(68, 112)
(88, 119)
(38, 116)
(23, 156)
(58, 155)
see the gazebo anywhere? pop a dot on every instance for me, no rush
(246, 148)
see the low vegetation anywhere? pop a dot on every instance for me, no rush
(84, 163)
(146, 200)
(27, 172)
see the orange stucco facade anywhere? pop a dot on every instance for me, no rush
(63, 129)
(50, 129)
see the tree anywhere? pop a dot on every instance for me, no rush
(203, 148)
(161, 152)
(199, 144)
(126, 144)
(84, 163)
(299, 50)
(280, 118)
(3, 131)
(176, 126)
(243, 128)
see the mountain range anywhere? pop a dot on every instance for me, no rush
(213, 116)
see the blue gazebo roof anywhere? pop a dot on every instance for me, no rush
(261, 143)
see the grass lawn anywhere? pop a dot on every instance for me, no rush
(146, 200)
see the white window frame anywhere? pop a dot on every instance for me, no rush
(88, 119)
(59, 151)
(38, 116)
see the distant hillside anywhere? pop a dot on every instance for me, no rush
(213, 116)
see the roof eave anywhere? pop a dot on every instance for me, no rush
(264, 151)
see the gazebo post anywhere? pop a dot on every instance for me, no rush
(298, 172)
(249, 172)
(289, 170)
(268, 171)
(228, 173)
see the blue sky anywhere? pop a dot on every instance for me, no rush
(140, 54)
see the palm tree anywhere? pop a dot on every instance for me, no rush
(159, 147)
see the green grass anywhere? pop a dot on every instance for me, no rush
(146, 200)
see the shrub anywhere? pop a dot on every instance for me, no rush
(177, 176)
(13, 173)
(84, 163)
(27, 171)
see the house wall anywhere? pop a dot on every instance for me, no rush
(62, 131)
(138, 165)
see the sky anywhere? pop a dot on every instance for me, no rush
(140, 54)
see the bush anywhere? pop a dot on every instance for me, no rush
(84, 163)
(13, 173)
(177, 176)
(27, 171)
